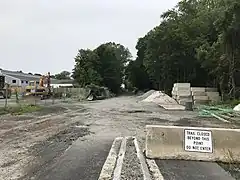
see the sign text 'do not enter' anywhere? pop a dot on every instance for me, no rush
(198, 141)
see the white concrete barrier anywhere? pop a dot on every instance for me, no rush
(193, 143)
(199, 93)
(184, 93)
(201, 98)
(182, 85)
(199, 89)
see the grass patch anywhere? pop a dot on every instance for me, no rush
(227, 104)
(207, 111)
(18, 110)
(233, 169)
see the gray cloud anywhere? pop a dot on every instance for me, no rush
(44, 35)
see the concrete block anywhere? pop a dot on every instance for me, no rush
(184, 97)
(212, 94)
(183, 101)
(208, 89)
(199, 89)
(183, 89)
(215, 99)
(182, 85)
(201, 98)
(199, 93)
(193, 143)
(174, 93)
(184, 93)
(200, 102)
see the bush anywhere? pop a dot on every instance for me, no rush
(99, 91)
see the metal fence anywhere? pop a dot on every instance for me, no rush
(59, 94)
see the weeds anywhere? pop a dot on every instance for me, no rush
(18, 110)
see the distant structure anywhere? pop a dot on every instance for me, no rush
(20, 79)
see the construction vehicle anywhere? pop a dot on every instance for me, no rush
(5, 91)
(39, 88)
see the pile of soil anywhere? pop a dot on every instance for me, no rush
(160, 98)
(147, 94)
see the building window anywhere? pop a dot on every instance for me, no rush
(14, 81)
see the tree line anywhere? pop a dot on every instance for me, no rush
(197, 41)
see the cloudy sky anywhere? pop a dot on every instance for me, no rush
(44, 35)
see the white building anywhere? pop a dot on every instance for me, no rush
(62, 83)
(18, 79)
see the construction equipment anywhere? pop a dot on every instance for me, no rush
(41, 89)
(5, 91)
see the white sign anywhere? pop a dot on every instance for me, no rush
(198, 141)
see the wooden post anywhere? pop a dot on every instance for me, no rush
(17, 97)
(6, 98)
(53, 94)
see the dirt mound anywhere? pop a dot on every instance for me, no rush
(160, 98)
(147, 94)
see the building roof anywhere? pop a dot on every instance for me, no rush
(29, 77)
(21, 75)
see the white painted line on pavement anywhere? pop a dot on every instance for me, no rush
(156, 174)
(109, 165)
(145, 171)
(118, 169)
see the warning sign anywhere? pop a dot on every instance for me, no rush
(198, 141)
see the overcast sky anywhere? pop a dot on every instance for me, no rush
(44, 35)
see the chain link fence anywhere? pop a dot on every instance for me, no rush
(59, 95)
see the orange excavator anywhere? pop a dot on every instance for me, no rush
(41, 88)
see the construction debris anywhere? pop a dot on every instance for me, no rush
(164, 101)
(183, 93)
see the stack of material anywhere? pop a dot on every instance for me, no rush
(204, 95)
(199, 95)
(182, 93)
(213, 94)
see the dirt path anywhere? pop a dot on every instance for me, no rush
(35, 145)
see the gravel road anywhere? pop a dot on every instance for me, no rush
(69, 141)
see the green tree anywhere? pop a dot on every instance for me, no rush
(63, 75)
(86, 68)
(113, 59)
(197, 42)
(136, 73)
(104, 66)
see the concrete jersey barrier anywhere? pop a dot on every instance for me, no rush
(193, 143)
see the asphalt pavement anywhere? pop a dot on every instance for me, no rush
(82, 161)
(191, 170)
